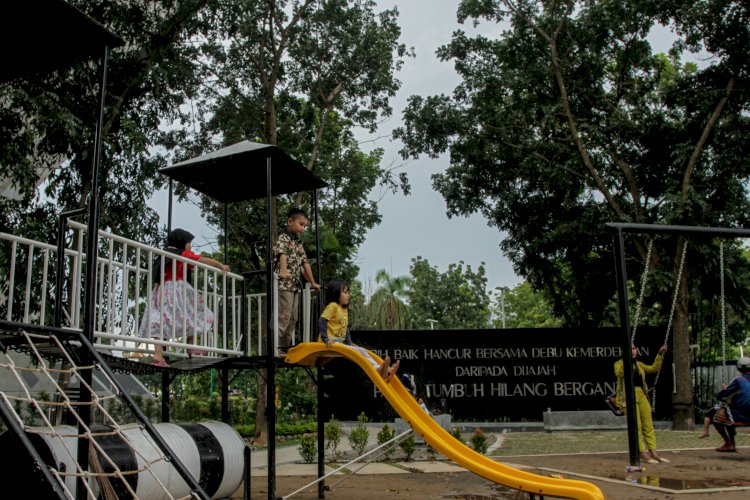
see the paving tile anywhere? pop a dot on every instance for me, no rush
(376, 468)
(292, 470)
(435, 466)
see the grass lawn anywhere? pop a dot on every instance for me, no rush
(551, 443)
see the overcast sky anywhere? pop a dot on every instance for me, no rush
(416, 225)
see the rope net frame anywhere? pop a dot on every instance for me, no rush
(49, 360)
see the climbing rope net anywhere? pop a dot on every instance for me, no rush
(34, 413)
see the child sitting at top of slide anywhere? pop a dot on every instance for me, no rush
(333, 325)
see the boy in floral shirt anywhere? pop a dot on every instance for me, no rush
(290, 263)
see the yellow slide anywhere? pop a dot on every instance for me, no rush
(317, 353)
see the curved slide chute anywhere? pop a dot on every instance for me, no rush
(317, 353)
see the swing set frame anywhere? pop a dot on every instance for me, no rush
(619, 230)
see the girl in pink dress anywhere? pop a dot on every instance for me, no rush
(174, 307)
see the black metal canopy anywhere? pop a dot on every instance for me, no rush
(39, 36)
(238, 173)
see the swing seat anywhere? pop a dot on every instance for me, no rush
(611, 402)
(722, 417)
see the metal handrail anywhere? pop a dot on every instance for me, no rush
(125, 287)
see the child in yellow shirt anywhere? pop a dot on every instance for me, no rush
(333, 325)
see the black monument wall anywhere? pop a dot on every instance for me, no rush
(495, 375)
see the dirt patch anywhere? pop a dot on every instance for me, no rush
(696, 474)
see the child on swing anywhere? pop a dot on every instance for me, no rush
(708, 418)
(334, 327)
(735, 407)
(645, 425)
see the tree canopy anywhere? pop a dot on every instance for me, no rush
(524, 308)
(49, 121)
(388, 308)
(456, 299)
(426, 299)
(566, 119)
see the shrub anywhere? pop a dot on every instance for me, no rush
(431, 452)
(479, 441)
(385, 435)
(456, 433)
(281, 429)
(333, 437)
(295, 429)
(359, 435)
(308, 448)
(246, 431)
(408, 447)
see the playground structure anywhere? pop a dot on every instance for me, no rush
(114, 330)
(30, 334)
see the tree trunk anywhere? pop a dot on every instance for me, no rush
(261, 423)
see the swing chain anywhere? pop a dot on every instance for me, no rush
(671, 316)
(723, 319)
(676, 292)
(642, 292)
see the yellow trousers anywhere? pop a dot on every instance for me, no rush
(644, 422)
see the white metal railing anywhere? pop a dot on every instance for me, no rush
(29, 253)
(124, 287)
(256, 318)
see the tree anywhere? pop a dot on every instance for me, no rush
(526, 308)
(457, 299)
(48, 122)
(568, 120)
(301, 74)
(387, 308)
